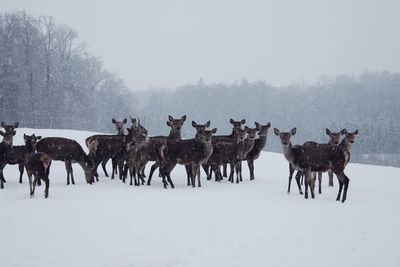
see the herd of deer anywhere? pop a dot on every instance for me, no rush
(132, 151)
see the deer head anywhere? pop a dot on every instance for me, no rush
(119, 125)
(350, 137)
(262, 129)
(200, 128)
(334, 138)
(285, 136)
(30, 142)
(176, 124)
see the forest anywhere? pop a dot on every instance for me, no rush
(49, 79)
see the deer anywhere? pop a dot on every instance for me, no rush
(37, 164)
(118, 160)
(334, 139)
(200, 128)
(137, 156)
(68, 151)
(237, 125)
(259, 145)
(248, 146)
(228, 152)
(315, 158)
(193, 152)
(6, 148)
(155, 142)
(9, 132)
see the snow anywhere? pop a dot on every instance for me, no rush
(255, 223)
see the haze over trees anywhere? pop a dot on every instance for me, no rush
(48, 79)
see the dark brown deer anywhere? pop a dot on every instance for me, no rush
(155, 142)
(237, 125)
(136, 153)
(334, 139)
(248, 146)
(9, 132)
(315, 158)
(200, 128)
(259, 145)
(119, 125)
(37, 164)
(119, 159)
(5, 152)
(68, 151)
(228, 152)
(17, 156)
(193, 152)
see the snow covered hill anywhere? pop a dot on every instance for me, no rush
(255, 223)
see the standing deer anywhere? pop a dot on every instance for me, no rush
(119, 159)
(37, 164)
(193, 152)
(68, 151)
(315, 158)
(259, 145)
(248, 146)
(9, 132)
(155, 142)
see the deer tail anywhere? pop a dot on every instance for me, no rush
(46, 161)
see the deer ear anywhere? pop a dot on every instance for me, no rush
(258, 126)
(125, 121)
(276, 131)
(214, 130)
(16, 125)
(328, 132)
(246, 128)
(132, 119)
(169, 123)
(268, 124)
(183, 118)
(25, 137)
(14, 132)
(194, 124)
(231, 121)
(356, 132)
(343, 131)
(208, 124)
(243, 121)
(38, 137)
(113, 121)
(293, 131)
(170, 118)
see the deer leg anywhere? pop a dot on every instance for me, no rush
(206, 170)
(340, 190)
(46, 190)
(250, 163)
(35, 180)
(142, 176)
(103, 165)
(291, 171)
(194, 171)
(114, 163)
(346, 185)
(240, 170)
(330, 173)
(153, 168)
(224, 170)
(1, 178)
(306, 183)
(38, 182)
(30, 183)
(198, 175)
(298, 177)
(188, 174)
(312, 183)
(319, 182)
(232, 172)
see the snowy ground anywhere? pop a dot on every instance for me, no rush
(255, 223)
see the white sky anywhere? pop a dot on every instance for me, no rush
(167, 43)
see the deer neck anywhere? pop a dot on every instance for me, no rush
(287, 152)
(121, 132)
(263, 140)
(208, 150)
(175, 135)
(347, 148)
(8, 139)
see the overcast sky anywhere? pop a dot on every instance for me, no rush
(167, 43)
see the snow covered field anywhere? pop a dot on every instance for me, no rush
(255, 223)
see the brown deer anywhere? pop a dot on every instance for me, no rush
(315, 158)
(119, 125)
(200, 128)
(6, 147)
(259, 145)
(334, 139)
(248, 146)
(137, 156)
(155, 142)
(37, 164)
(228, 152)
(193, 152)
(68, 151)
(119, 159)
(237, 125)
